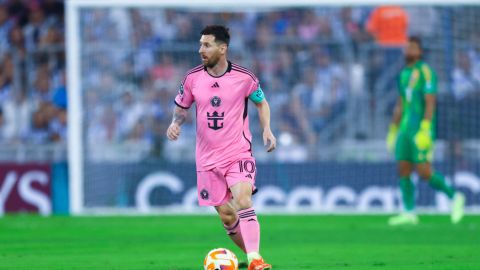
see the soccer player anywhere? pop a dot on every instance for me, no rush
(225, 165)
(412, 134)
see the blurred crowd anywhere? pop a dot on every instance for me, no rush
(32, 72)
(134, 59)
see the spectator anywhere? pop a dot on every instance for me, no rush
(42, 91)
(17, 117)
(310, 26)
(307, 104)
(129, 111)
(104, 128)
(40, 133)
(2, 125)
(58, 125)
(464, 83)
(423, 21)
(37, 26)
(331, 79)
(6, 25)
(389, 26)
(6, 78)
(140, 134)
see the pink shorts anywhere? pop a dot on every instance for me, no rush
(213, 186)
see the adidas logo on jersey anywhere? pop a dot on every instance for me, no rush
(215, 85)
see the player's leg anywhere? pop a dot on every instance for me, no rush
(213, 191)
(407, 188)
(242, 200)
(240, 177)
(437, 181)
(231, 223)
(249, 225)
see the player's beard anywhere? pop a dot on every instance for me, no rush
(212, 61)
(411, 59)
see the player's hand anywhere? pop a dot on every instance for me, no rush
(392, 137)
(269, 140)
(423, 138)
(173, 131)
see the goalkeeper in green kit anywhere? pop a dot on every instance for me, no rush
(412, 133)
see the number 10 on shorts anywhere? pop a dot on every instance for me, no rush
(246, 166)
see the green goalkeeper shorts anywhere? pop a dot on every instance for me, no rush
(406, 150)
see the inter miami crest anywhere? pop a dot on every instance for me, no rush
(204, 194)
(215, 101)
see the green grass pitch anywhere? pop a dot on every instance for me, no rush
(288, 242)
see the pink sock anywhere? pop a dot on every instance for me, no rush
(234, 228)
(250, 229)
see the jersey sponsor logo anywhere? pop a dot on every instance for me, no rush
(215, 101)
(215, 85)
(214, 120)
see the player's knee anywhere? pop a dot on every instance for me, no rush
(425, 175)
(228, 218)
(244, 202)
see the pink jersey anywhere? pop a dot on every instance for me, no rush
(223, 135)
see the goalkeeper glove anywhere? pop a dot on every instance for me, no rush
(392, 137)
(423, 138)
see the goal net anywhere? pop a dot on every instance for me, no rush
(328, 71)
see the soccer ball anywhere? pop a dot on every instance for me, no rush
(220, 259)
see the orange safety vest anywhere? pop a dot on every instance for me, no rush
(389, 26)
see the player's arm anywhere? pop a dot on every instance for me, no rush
(263, 108)
(179, 117)
(393, 129)
(430, 101)
(397, 112)
(183, 101)
(423, 138)
(264, 115)
(430, 91)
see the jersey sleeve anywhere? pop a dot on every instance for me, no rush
(430, 79)
(257, 96)
(184, 98)
(255, 92)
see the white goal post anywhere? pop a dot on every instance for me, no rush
(74, 59)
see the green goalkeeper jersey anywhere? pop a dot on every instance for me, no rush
(413, 83)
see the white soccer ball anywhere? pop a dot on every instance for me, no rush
(220, 259)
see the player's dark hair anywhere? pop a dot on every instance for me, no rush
(220, 32)
(417, 40)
